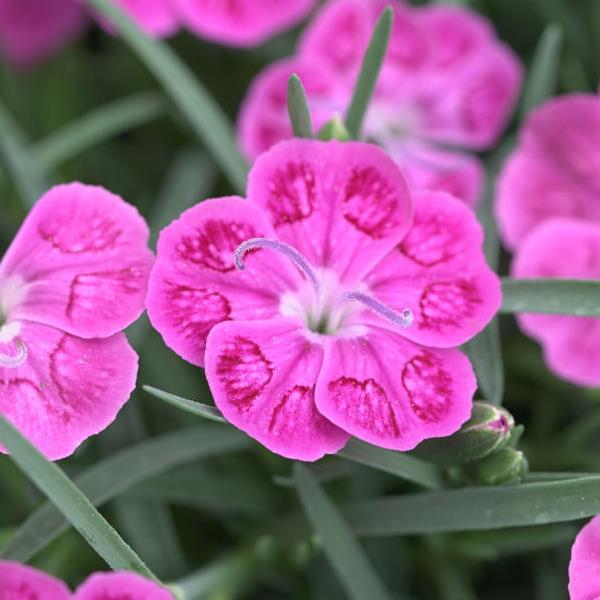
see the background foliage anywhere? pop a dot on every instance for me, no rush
(194, 497)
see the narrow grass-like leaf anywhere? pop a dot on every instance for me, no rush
(369, 72)
(26, 177)
(71, 502)
(395, 463)
(477, 508)
(195, 408)
(347, 558)
(485, 354)
(580, 297)
(92, 129)
(541, 81)
(298, 108)
(197, 106)
(112, 476)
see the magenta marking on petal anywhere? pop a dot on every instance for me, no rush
(244, 371)
(428, 385)
(448, 303)
(281, 247)
(12, 362)
(404, 319)
(292, 194)
(101, 234)
(369, 203)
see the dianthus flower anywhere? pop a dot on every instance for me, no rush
(31, 30)
(584, 568)
(156, 17)
(447, 81)
(563, 248)
(555, 170)
(74, 277)
(343, 312)
(20, 582)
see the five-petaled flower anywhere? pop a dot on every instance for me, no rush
(306, 345)
(20, 582)
(447, 81)
(584, 568)
(74, 277)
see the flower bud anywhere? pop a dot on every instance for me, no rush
(335, 129)
(504, 467)
(487, 431)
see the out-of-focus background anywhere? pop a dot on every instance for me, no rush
(219, 512)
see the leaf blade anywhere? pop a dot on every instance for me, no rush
(195, 408)
(298, 108)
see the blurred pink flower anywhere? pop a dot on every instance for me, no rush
(555, 170)
(584, 568)
(240, 22)
(31, 30)
(156, 17)
(447, 83)
(20, 582)
(563, 248)
(74, 277)
(359, 337)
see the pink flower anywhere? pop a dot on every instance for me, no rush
(563, 248)
(241, 22)
(19, 582)
(358, 338)
(156, 17)
(446, 81)
(555, 170)
(74, 277)
(31, 30)
(584, 568)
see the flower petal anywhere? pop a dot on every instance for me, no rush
(67, 389)
(31, 30)
(262, 376)
(195, 285)
(156, 17)
(563, 248)
(342, 205)
(264, 118)
(392, 393)
(79, 263)
(241, 22)
(20, 582)
(584, 568)
(105, 586)
(439, 272)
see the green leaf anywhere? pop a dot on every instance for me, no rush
(369, 72)
(470, 509)
(347, 558)
(395, 463)
(195, 408)
(485, 353)
(541, 82)
(92, 129)
(71, 502)
(298, 108)
(197, 106)
(112, 476)
(27, 179)
(580, 297)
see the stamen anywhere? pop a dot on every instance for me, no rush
(404, 319)
(280, 247)
(12, 362)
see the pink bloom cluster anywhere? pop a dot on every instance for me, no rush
(549, 213)
(20, 582)
(74, 277)
(447, 81)
(584, 568)
(31, 30)
(345, 308)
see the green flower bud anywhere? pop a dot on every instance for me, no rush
(334, 130)
(487, 431)
(504, 467)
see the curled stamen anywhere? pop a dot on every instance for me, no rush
(12, 362)
(282, 248)
(403, 319)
